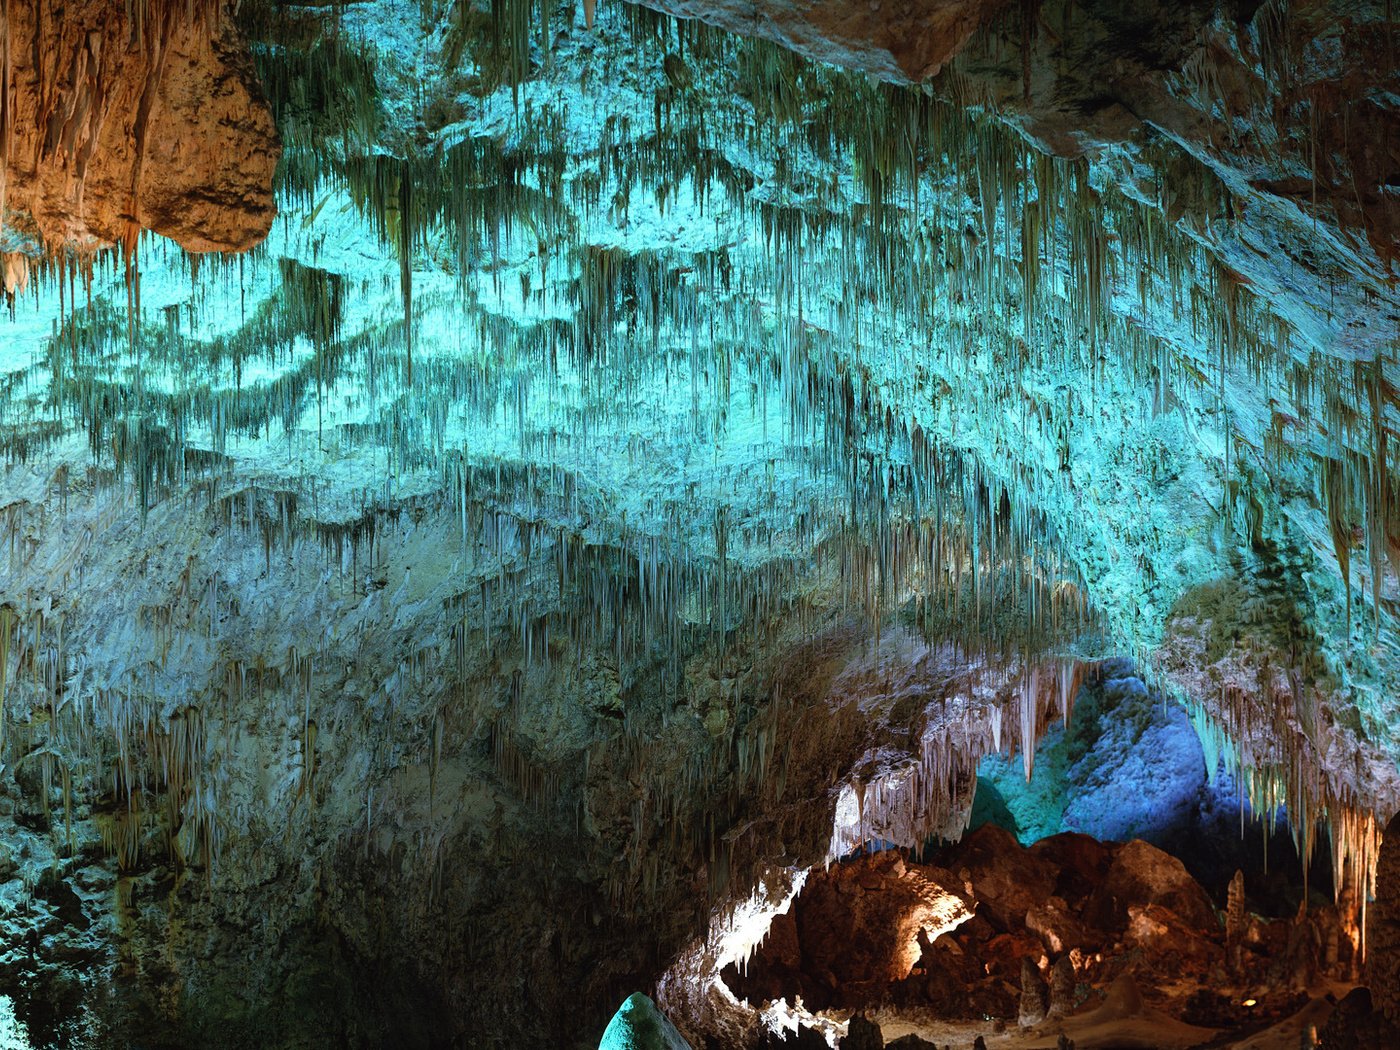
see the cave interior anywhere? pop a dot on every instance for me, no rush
(662, 525)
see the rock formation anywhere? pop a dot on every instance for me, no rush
(853, 929)
(910, 1042)
(905, 41)
(1383, 941)
(1355, 1024)
(1034, 995)
(1235, 921)
(862, 1034)
(639, 1025)
(1062, 985)
(646, 465)
(1142, 873)
(121, 119)
(989, 967)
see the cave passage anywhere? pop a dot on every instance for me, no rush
(1180, 919)
(699, 524)
(1107, 943)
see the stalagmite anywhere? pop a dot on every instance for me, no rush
(1383, 950)
(1034, 998)
(1235, 922)
(1062, 986)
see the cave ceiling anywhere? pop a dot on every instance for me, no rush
(500, 382)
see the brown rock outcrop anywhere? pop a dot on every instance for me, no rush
(1142, 874)
(898, 40)
(127, 117)
(1383, 962)
(1059, 929)
(1007, 880)
(855, 929)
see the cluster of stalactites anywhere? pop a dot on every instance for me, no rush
(1280, 770)
(150, 760)
(963, 212)
(140, 24)
(952, 243)
(925, 798)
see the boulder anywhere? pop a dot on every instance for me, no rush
(863, 1035)
(1354, 1024)
(1007, 879)
(1059, 929)
(1080, 862)
(910, 1042)
(1140, 875)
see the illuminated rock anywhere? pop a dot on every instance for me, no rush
(644, 465)
(858, 927)
(1034, 995)
(639, 1025)
(1383, 941)
(1143, 874)
(902, 41)
(143, 117)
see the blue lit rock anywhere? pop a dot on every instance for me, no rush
(639, 1025)
(1129, 766)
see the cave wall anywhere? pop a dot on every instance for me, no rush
(639, 457)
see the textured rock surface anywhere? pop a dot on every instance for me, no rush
(897, 40)
(1132, 765)
(1062, 984)
(1355, 1024)
(1034, 996)
(1383, 963)
(1129, 766)
(1009, 883)
(854, 930)
(862, 1034)
(639, 1025)
(618, 484)
(1099, 969)
(1143, 874)
(137, 117)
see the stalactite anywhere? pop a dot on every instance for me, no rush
(6, 115)
(891, 347)
(8, 622)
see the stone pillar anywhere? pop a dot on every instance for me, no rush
(1032, 995)
(863, 1035)
(1062, 982)
(1234, 924)
(1383, 934)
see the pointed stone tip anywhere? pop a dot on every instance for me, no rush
(640, 1025)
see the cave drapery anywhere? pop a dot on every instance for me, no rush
(529, 480)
